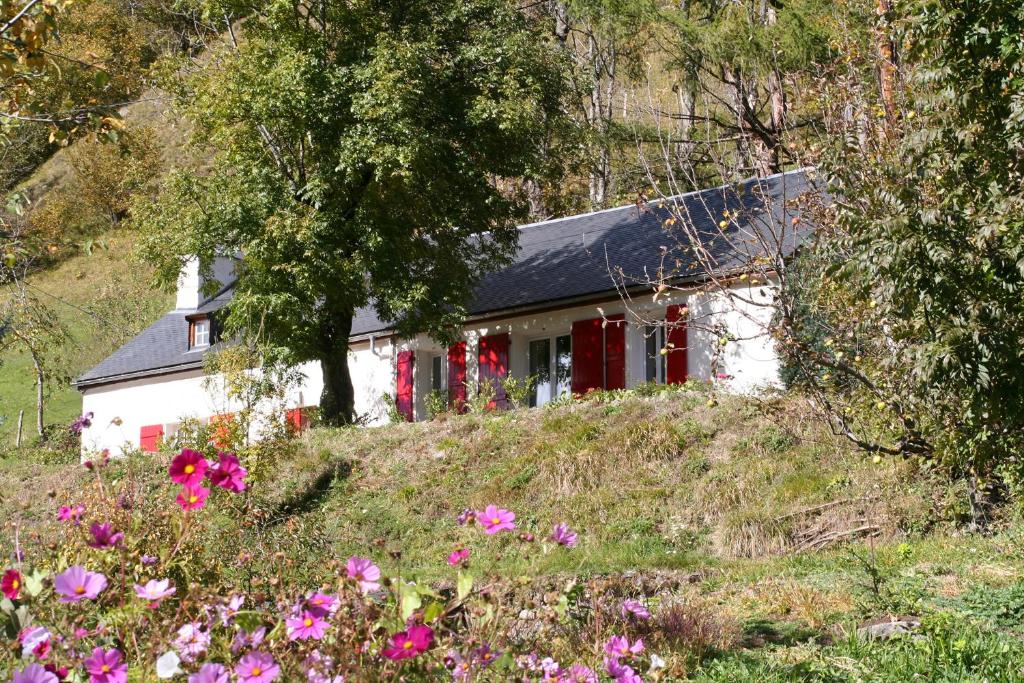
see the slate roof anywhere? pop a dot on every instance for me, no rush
(563, 260)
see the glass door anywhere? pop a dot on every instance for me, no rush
(540, 370)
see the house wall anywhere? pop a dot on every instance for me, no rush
(746, 364)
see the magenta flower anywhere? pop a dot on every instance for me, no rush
(563, 535)
(154, 591)
(409, 643)
(321, 604)
(104, 536)
(495, 519)
(634, 608)
(75, 584)
(192, 641)
(458, 557)
(188, 468)
(485, 655)
(465, 517)
(228, 473)
(619, 646)
(69, 513)
(10, 584)
(365, 573)
(81, 422)
(210, 673)
(305, 626)
(257, 667)
(192, 498)
(34, 640)
(34, 673)
(105, 666)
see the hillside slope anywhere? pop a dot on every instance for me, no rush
(760, 541)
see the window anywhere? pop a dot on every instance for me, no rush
(654, 359)
(438, 374)
(201, 333)
(549, 385)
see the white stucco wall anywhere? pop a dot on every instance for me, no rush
(747, 363)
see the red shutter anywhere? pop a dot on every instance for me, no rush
(457, 376)
(587, 355)
(149, 436)
(403, 383)
(676, 337)
(615, 352)
(297, 418)
(493, 356)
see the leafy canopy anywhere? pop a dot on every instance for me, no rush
(366, 152)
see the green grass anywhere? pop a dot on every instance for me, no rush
(104, 299)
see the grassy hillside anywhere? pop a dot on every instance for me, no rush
(104, 299)
(778, 540)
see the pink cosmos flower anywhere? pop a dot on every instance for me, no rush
(192, 641)
(578, 673)
(257, 667)
(192, 498)
(227, 612)
(154, 591)
(485, 655)
(563, 535)
(244, 640)
(75, 584)
(104, 536)
(210, 673)
(365, 573)
(321, 604)
(631, 607)
(495, 519)
(407, 644)
(465, 517)
(305, 626)
(68, 513)
(619, 646)
(34, 673)
(105, 666)
(34, 640)
(10, 584)
(458, 557)
(228, 473)
(188, 468)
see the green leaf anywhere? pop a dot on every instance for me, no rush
(409, 598)
(433, 611)
(464, 585)
(34, 583)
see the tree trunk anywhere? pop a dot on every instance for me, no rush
(886, 59)
(337, 401)
(39, 395)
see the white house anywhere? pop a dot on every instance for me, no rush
(556, 313)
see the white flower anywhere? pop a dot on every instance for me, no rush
(167, 665)
(657, 663)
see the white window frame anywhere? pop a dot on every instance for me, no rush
(206, 331)
(443, 384)
(657, 333)
(556, 390)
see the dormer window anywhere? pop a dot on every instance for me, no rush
(200, 332)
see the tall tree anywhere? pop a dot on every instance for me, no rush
(926, 253)
(360, 151)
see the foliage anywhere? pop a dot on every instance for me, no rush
(920, 290)
(517, 389)
(355, 163)
(436, 403)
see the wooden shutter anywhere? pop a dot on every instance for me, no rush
(149, 436)
(493, 357)
(457, 376)
(615, 352)
(297, 418)
(587, 355)
(403, 383)
(676, 338)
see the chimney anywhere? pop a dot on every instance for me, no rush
(191, 282)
